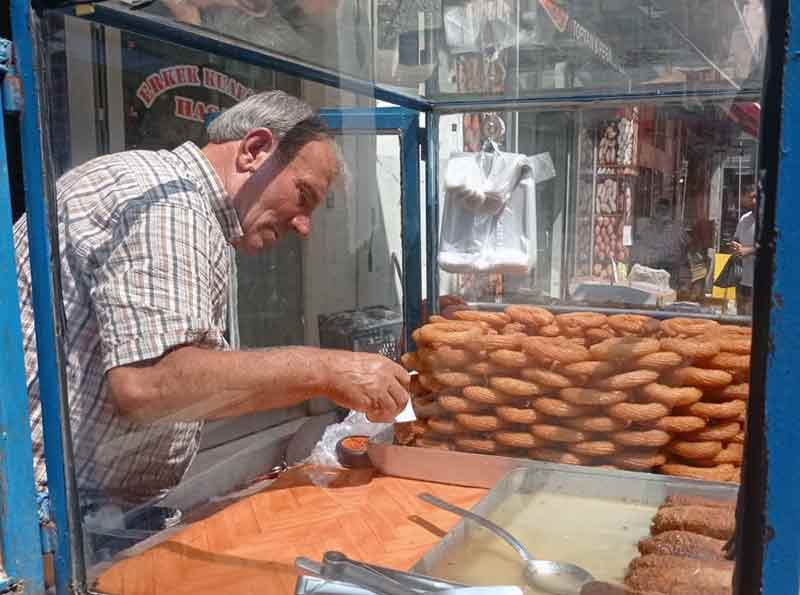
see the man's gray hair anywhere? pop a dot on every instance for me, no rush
(292, 121)
(276, 110)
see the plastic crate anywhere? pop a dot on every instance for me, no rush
(376, 329)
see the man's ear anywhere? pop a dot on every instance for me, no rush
(254, 149)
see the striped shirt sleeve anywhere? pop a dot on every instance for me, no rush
(154, 289)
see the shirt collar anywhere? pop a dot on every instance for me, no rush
(212, 187)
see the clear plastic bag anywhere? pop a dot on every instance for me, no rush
(322, 465)
(489, 218)
(476, 27)
(656, 278)
(462, 28)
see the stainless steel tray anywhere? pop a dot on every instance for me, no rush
(485, 471)
(441, 466)
(628, 500)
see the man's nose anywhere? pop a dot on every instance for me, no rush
(301, 225)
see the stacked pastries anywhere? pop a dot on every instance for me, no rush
(584, 388)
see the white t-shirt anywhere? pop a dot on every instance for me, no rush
(746, 235)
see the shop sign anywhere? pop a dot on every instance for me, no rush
(190, 75)
(562, 21)
(557, 14)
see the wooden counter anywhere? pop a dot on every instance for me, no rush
(250, 546)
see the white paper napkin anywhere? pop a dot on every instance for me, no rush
(407, 414)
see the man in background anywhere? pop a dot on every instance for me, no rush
(743, 245)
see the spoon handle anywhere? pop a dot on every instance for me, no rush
(483, 522)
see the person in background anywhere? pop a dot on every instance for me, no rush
(662, 244)
(744, 245)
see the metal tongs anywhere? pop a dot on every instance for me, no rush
(378, 580)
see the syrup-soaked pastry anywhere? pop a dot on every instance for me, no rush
(710, 521)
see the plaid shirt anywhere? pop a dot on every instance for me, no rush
(145, 258)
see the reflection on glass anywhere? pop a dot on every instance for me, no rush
(501, 48)
(140, 476)
(647, 204)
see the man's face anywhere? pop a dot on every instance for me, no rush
(749, 201)
(279, 197)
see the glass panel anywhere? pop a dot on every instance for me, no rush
(332, 37)
(364, 232)
(614, 216)
(639, 186)
(552, 48)
(498, 48)
(588, 248)
(140, 289)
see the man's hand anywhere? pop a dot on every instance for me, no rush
(742, 250)
(366, 382)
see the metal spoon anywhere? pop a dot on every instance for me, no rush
(553, 577)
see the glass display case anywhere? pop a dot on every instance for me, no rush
(637, 185)
(542, 199)
(450, 51)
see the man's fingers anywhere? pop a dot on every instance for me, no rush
(383, 401)
(380, 417)
(401, 374)
(399, 395)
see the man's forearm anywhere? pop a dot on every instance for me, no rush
(192, 383)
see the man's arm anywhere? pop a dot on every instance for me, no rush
(162, 347)
(192, 383)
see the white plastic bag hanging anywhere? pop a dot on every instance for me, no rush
(489, 214)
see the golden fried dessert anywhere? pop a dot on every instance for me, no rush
(665, 574)
(710, 521)
(684, 543)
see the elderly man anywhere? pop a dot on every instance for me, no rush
(144, 243)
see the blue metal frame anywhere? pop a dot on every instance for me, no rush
(774, 511)
(405, 124)
(771, 470)
(432, 210)
(68, 560)
(19, 515)
(444, 105)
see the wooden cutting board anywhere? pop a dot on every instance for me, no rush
(250, 546)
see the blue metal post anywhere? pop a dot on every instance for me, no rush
(45, 265)
(777, 313)
(411, 224)
(19, 519)
(432, 210)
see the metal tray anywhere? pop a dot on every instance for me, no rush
(485, 471)
(441, 466)
(620, 493)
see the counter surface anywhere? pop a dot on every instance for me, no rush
(252, 544)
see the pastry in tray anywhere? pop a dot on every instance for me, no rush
(705, 520)
(684, 543)
(663, 574)
(685, 552)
